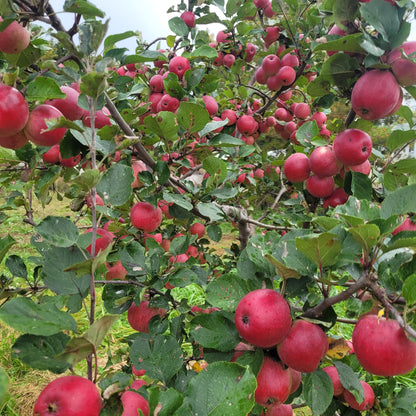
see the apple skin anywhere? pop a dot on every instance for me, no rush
(179, 65)
(145, 216)
(210, 104)
(375, 94)
(247, 125)
(36, 124)
(296, 167)
(68, 106)
(273, 383)
(263, 318)
(115, 271)
(406, 225)
(304, 346)
(104, 239)
(322, 162)
(139, 316)
(338, 197)
(68, 395)
(403, 69)
(352, 147)
(332, 372)
(197, 229)
(189, 18)
(14, 111)
(368, 401)
(133, 402)
(320, 187)
(14, 39)
(279, 410)
(15, 141)
(101, 118)
(382, 347)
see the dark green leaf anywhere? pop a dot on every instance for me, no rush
(25, 315)
(366, 235)
(83, 7)
(93, 84)
(214, 232)
(17, 266)
(178, 26)
(361, 186)
(113, 39)
(41, 351)
(409, 290)
(192, 117)
(164, 124)
(42, 88)
(306, 132)
(133, 259)
(5, 244)
(399, 202)
(318, 391)
(350, 380)
(160, 355)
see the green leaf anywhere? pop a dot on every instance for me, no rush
(25, 315)
(212, 126)
(214, 232)
(5, 244)
(361, 186)
(41, 351)
(215, 330)
(226, 291)
(192, 117)
(398, 138)
(25, 58)
(42, 88)
(208, 209)
(282, 270)
(179, 245)
(166, 400)
(164, 124)
(204, 51)
(160, 355)
(121, 175)
(399, 202)
(178, 26)
(306, 132)
(323, 250)
(318, 391)
(133, 259)
(163, 172)
(221, 389)
(17, 266)
(93, 84)
(59, 231)
(400, 240)
(409, 290)
(118, 298)
(113, 39)
(347, 43)
(383, 16)
(180, 200)
(215, 166)
(350, 380)
(193, 77)
(83, 7)
(366, 235)
(225, 140)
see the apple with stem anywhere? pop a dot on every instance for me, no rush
(68, 395)
(144, 216)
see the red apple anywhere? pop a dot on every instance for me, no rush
(139, 316)
(368, 401)
(352, 147)
(290, 59)
(263, 318)
(247, 125)
(68, 106)
(156, 83)
(270, 65)
(53, 155)
(279, 410)
(115, 271)
(302, 111)
(286, 75)
(15, 141)
(197, 229)
(403, 69)
(272, 34)
(132, 403)
(382, 347)
(338, 197)
(210, 104)
(137, 166)
(71, 162)
(375, 94)
(296, 167)
(168, 103)
(145, 216)
(230, 115)
(68, 395)
(250, 52)
(320, 187)
(189, 18)
(304, 346)
(228, 60)
(102, 118)
(36, 126)
(260, 76)
(14, 39)
(322, 162)
(407, 225)
(332, 372)
(179, 65)
(14, 111)
(273, 383)
(103, 240)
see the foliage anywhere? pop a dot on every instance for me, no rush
(198, 167)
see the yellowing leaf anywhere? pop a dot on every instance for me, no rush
(338, 348)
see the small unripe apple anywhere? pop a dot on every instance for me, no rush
(36, 125)
(140, 316)
(14, 111)
(145, 216)
(263, 318)
(68, 395)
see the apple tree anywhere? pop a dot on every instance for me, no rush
(160, 153)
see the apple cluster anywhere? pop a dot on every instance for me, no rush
(350, 150)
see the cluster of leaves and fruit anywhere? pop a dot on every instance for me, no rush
(157, 152)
